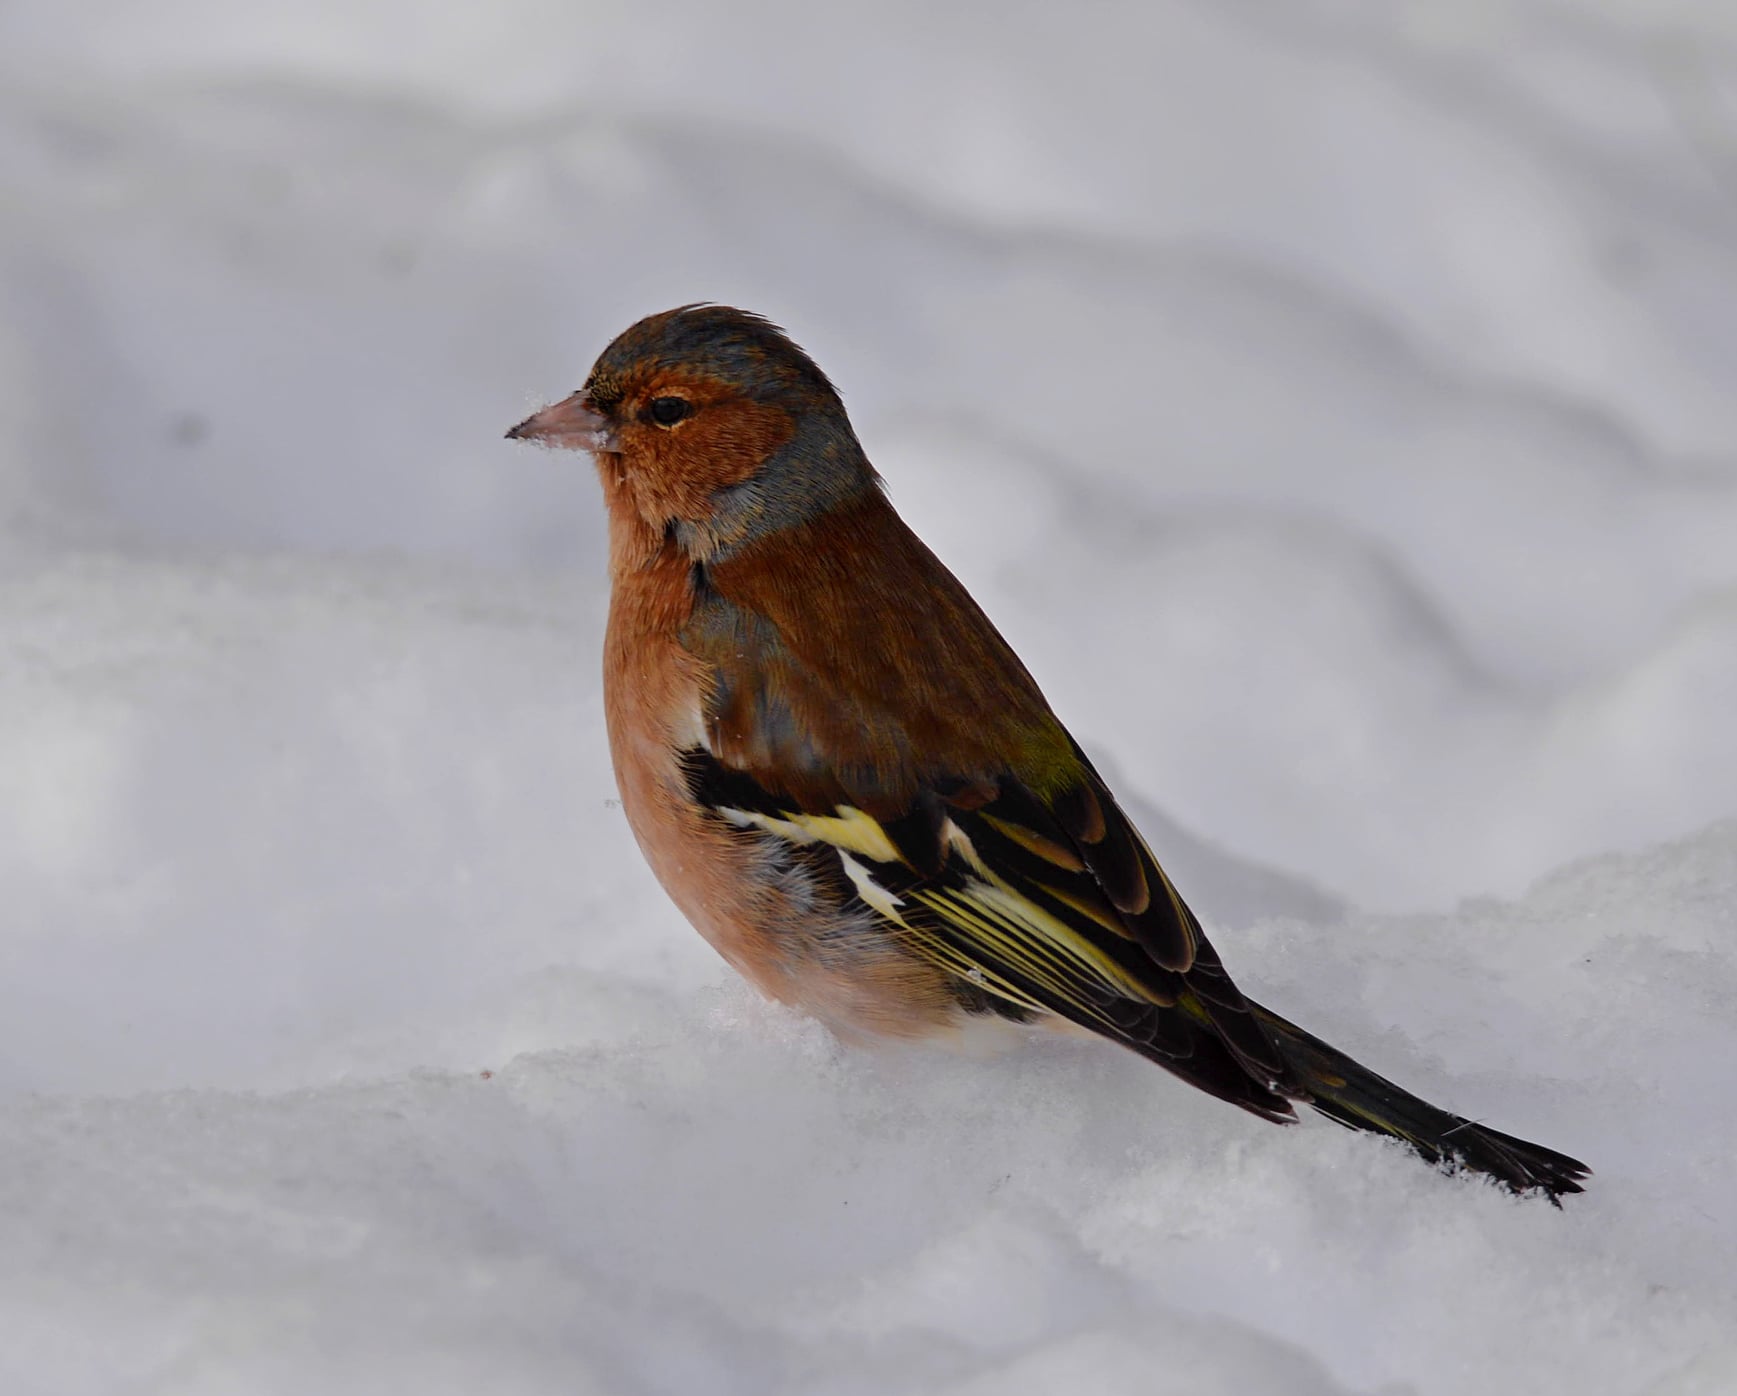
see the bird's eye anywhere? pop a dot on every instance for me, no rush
(667, 411)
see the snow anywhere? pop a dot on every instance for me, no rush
(1331, 401)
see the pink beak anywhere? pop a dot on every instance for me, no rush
(570, 423)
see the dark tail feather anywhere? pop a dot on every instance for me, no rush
(1355, 1096)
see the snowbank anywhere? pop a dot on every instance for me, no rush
(1331, 402)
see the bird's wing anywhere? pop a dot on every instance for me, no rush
(985, 883)
(960, 811)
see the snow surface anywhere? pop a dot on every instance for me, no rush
(1331, 399)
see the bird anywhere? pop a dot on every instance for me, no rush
(851, 786)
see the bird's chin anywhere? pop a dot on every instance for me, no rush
(571, 424)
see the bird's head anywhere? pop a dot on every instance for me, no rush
(710, 422)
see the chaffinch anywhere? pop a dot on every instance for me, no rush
(849, 783)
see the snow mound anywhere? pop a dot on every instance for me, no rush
(1331, 401)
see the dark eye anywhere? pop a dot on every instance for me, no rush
(667, 411)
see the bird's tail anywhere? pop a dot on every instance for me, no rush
(1353, 1095)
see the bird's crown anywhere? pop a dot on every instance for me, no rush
(734, 349)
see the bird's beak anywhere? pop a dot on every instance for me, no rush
(571, 423)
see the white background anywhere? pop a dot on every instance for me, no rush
(1332, 400)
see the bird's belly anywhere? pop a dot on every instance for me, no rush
(789, 937)
(786, 931)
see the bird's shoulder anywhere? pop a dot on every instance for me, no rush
(846, 656)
